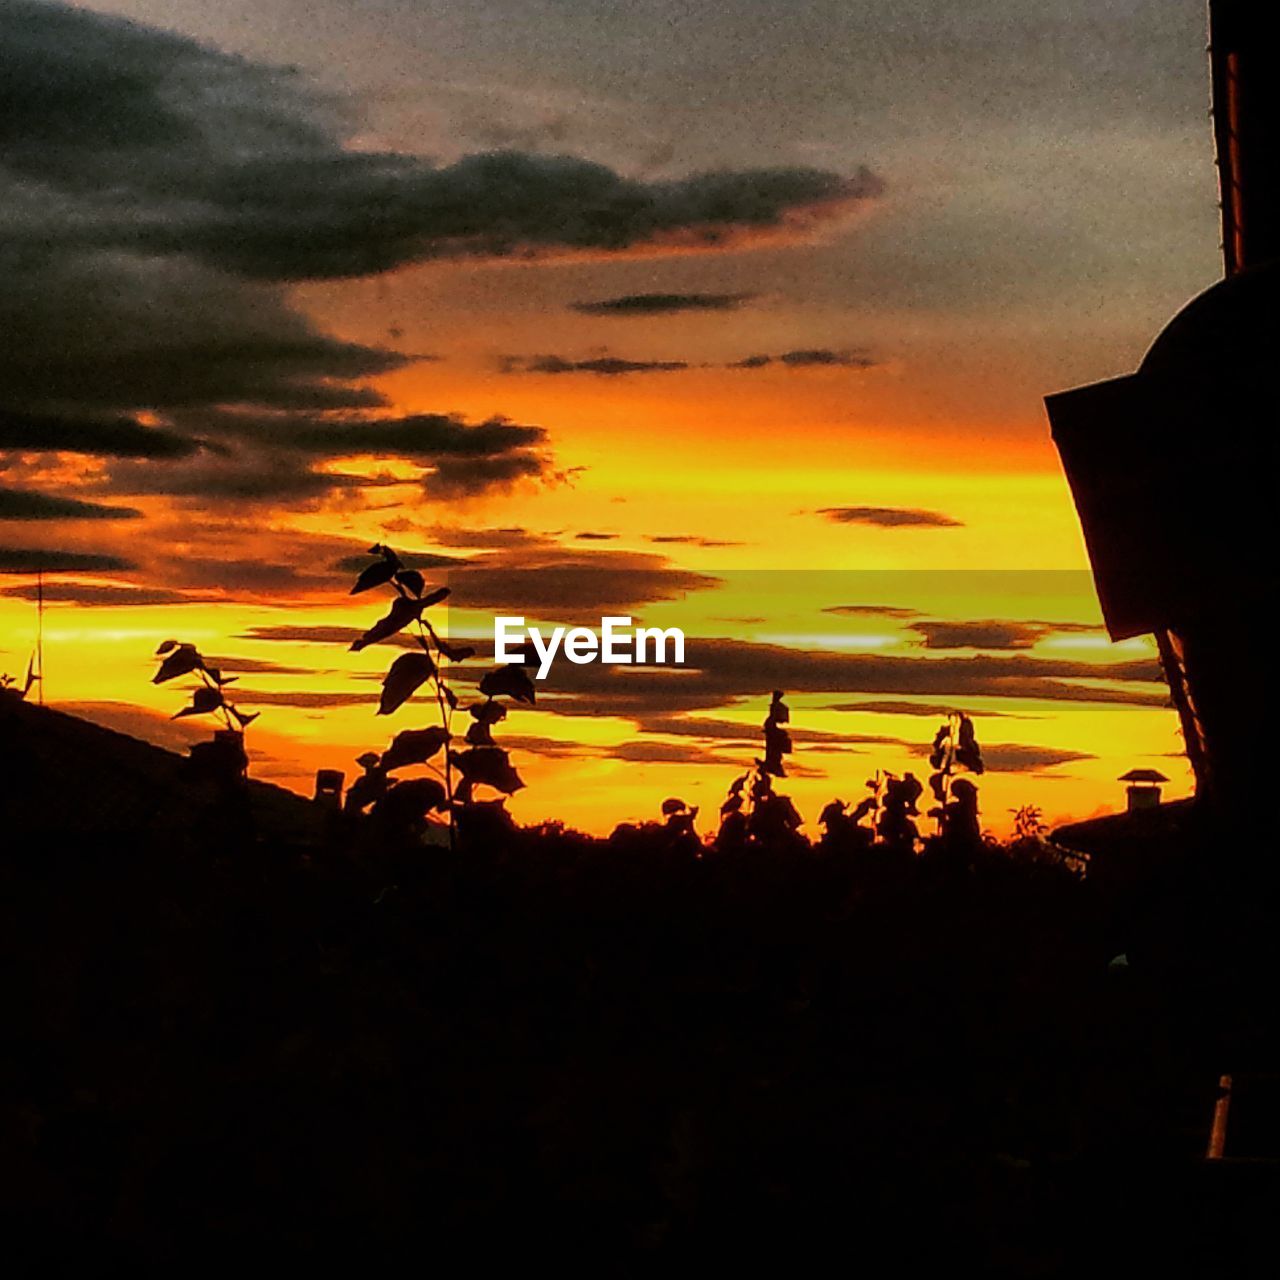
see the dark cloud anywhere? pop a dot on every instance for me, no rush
(890, 517)
(731, 731)
(94, 334)
(572, 586)
(34, 560)
(993, 634)
(307, 699)
(27, 504)
(105, 437)
(871, 611)
(618, 366)
(719, 672)
(551, 748)
(467, 477)
(484, 538)
(980, 635)
(808, 358)
(589, 535)
(94, 595)
(243, 477)
(601, 366)
(155, 196)
(242, 576)
(668, 753)
(411, 560)
(276, 458)
(649, 304)
(1016, 757)
(255, 666)
(177, 148)
(422, 437)
(689, 539)
(932, 710)
(328, 635)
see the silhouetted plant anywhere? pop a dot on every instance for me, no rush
(842, 827)
(679, 817)
(209, 696)
(955, 748)
(894, 822)
(1028, 823)
(753, 810)
(483, 762)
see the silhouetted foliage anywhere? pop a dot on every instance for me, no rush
(955, 750)
(209, 696)
(753, 811)
(408, 805)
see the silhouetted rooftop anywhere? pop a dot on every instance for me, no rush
(1225, 334)
(70, 777)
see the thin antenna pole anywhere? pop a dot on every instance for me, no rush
(40, 634)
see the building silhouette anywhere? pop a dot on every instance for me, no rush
(1172, 468)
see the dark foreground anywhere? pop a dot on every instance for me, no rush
(548, 1047)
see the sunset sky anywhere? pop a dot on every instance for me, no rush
(735, 316)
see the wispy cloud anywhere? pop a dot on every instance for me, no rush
(28, 504)
(651, 304)
(890, 517)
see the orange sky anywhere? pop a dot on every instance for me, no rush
(737, 429)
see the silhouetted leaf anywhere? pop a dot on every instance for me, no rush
(410, 801)
(244, 717)
(364, 791)
(511, 680)
(434, 597)
(165, 647)
(181, 661)
(673, 805)
(402, 612)
(374, 576)
(488, 712)
(455, 653)
(449, 696)
(414, 746)
(406, 673)
(862, 808)
(490, 766)
(411, 580)
(203, 700)
(732, 804)
(484, 714)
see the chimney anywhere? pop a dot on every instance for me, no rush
(223, 761)
(329, 788)
(1143, 791)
